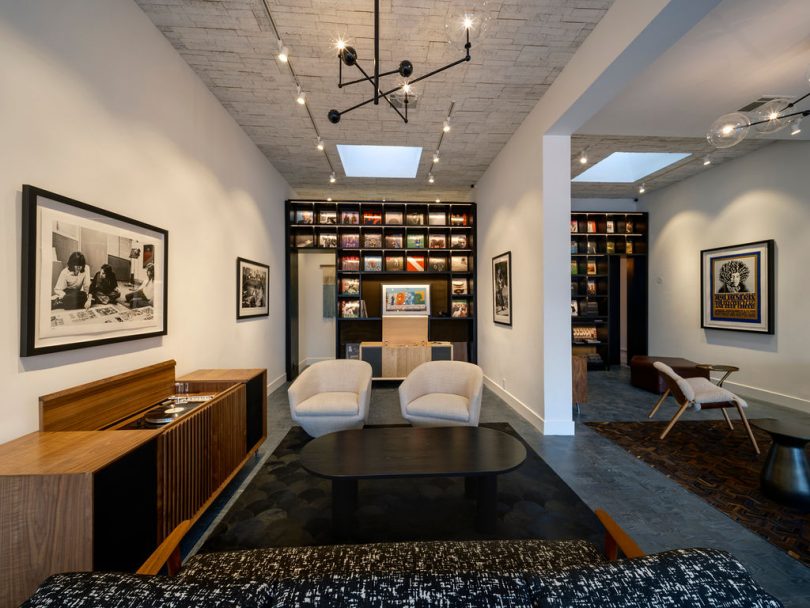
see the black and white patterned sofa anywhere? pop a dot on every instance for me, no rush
(459, 573)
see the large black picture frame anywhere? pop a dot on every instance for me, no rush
(737, 287)
(252, 285)
(127, 301)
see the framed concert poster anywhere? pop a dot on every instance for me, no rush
(502, 288)
(252, 279)
(89, 276)
(737, 285)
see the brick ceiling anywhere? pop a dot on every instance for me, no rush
(232, 47)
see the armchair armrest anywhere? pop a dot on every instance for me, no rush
(303, 388)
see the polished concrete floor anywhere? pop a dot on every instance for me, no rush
(657, 512)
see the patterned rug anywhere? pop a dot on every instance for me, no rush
(721, 467)
(286, 506)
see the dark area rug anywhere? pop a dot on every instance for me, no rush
(286, 506)
(720, 466)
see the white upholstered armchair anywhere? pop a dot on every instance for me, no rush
(442, 393)
(331, 396)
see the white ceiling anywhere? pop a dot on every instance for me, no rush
(231, 46)
(740, 51)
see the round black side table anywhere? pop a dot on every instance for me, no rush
(786, 475)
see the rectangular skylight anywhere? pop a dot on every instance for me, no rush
(379, 161)
(628, 167)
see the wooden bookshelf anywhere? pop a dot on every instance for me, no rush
(598, 241)
(377, 242)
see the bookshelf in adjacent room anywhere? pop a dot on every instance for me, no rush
(387, 242)
(599, 241)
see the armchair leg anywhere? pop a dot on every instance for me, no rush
(672, 422)
(725, 415)
(747, 427)
(658, 404)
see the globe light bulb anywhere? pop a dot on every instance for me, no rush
(467, 22)
(340, 44)
(728, 130)
(406, 88)
(769, 116)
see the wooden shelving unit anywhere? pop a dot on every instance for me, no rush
(598, 241)
(378, 242)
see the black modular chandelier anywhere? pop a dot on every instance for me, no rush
(348, 55)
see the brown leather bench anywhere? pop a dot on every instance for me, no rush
(644, 375)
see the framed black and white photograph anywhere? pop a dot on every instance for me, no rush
(502, 288)
(737, 286)
(89, 276)
(252, 280)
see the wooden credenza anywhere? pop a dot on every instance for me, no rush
(76, 498)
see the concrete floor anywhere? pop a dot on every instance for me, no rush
(657, 512)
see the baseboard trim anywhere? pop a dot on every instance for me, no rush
(795, 403)
(546, 427)
(277, 383)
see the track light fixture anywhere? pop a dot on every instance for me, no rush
(347, 55)
(283, 52)
(332, 178)
(431, 179)
(446, 125)
(301, 97)
(319, 144)
(583, 158)
(731, 129)
(436, 157)
(707, 160)
(438, 200)
(642, 189)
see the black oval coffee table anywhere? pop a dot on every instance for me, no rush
(477, 454)
(786, 474)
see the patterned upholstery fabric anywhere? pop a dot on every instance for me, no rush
(471, 589)
(436, 557)
(113, 590)
(682, 578)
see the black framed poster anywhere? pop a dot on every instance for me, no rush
(502, 288)
(252, 279)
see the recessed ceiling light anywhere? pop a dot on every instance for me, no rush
(629, 167)
(380, 161)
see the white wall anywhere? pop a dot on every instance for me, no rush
(763, 195)
(96, 105)
(316, 338)
(604, 204)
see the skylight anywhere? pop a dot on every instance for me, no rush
(379, 161)
(629, 167)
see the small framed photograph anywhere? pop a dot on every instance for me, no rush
(352, 350)
(304, 239)
(502, 289)
(372, 217)
(628, 226)
(437, 264)
(327, 240)
(591, 226)
(574, 308)
(458, 241)
(459, 263)
(393, 218)
(372, 263)
(350, 263)
(251, 289)
(350, 287)
(350, 240)
(460, 310)
(349, 309)
(574, 226)
(591, 268)
(415, 241)
(89, 276)
(458, 219)
(372, 240)
(459, 287)
(610, 227)
(327, 217)
(393, 241)
(350, 218)
(394, 263)
(437, 241)
(737, 286)
(437, 218)
(416, 263)
(591, 287)
(304, 216)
